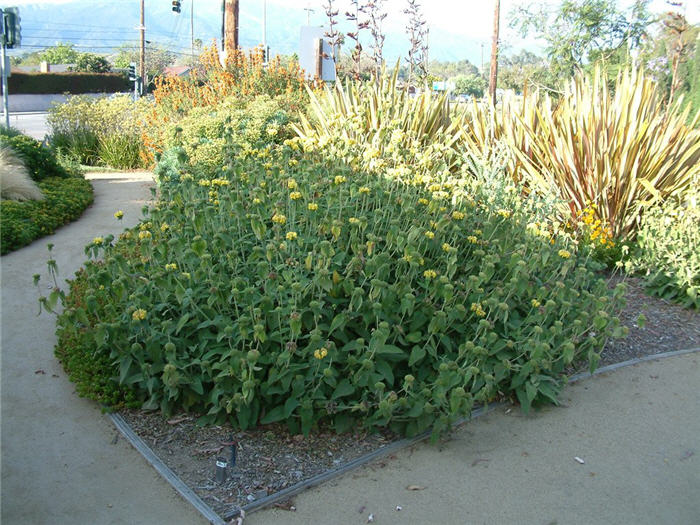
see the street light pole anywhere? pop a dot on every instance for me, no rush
(142, 61)
(5, 100)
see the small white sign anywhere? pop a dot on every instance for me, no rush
(307, 53)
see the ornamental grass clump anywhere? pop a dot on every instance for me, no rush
(619, 150)
(236, 300)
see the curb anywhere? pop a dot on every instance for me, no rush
(215, 519)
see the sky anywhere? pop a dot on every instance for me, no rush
(473, 18)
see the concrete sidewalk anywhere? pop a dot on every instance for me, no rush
(637, 429)
(63, 461)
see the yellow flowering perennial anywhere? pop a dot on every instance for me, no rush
(457, 215)
(145, 234)
(478, 309)
(429, 234)
(278, 218)
(564, 254)
(139, 315)
(292, 184)
(364, 190)
(295, 195)
(98, 240)
(291, 236)
(312, 206)
(119, 214)
(339, 179)
(171, 267)
(430, 274)
(320, 354)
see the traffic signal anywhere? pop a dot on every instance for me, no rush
(12, 28)
(176, 6)
(132, 72)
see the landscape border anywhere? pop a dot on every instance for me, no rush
(209, 514)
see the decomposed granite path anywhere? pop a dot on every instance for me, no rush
(63, 461)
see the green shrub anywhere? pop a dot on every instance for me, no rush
(99, 131)
(61, 83)
(668, 250)
(209, 134)
(23, 222)
(290, 288)
(39, 160)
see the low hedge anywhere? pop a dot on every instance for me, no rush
(73, 83)
(23, 222)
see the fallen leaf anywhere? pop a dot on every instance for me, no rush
(213, 450)
(579, 460)
(414, 487)
(40, 372)
(362, 509)
(177, 420)
(370, 518)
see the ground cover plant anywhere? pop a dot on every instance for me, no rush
(289, 287)
(66, 195)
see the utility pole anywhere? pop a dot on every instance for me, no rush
(482, 61)
(493, 76)
(192, 30)
(142, 61)
(230, 24)
(308, 14)
(5, 104)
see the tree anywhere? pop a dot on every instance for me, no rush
(472, 85)
(452, 69)
(61, 53)
(525, 70)
(91, 63)
(581, 32)
(157, 58)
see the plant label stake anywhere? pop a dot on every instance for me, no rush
(221, 465)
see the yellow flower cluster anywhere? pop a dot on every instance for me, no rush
(220, 182)
(430, 274)
(472, 239)
(564, 254)
(364, 190)
(429, 234)
(164, 227)
(597, 230)
(446, 247)
(458, 215)
(256, 201)
(119, 214)
(320, 354)
(339, 179)
(139, 315)
(535, 303)
(354, 220)
(291, 236)
(98, 241)
(423, 201)
(312, 206)
(295, 195)
(292, 184)
(504, 213)
(145, 234)
(478, 309)
(278, 218)
(171, 267)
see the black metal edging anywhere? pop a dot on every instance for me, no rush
(214, 518)
(164, 471)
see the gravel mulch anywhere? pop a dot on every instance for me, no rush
(269, 459)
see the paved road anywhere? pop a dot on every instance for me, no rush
(63, 461)
(32, 124)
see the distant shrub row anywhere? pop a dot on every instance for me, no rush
(74, 83)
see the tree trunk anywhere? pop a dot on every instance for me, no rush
(231, 25)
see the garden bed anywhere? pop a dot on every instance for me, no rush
(269, 459)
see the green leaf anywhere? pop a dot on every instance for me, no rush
(289, 406)
(338, 322)
(531, 391)
(384, 369)
(342, 423)
(343, 389)
(274, 415)
(417, 354)
(182, 322)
